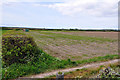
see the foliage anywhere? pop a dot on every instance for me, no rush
(18, 50)
(39, 64)
(59, 72)
(16, 29)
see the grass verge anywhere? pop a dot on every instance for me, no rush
(88, 72)
(97, 59)
(46, 63)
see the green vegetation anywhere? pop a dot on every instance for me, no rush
(43, 29)
(74, 37)
(4, 31)
(85, 55)
(59, 72)
(41, 64)
(12, 33)
(18, 49)
(22, 57)
(37, 65)
(100, 58)
(91, 72)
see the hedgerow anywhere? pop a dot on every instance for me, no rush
(16, 49)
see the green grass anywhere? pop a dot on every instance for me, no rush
(89, 72)
(100, 58)
(0, 67)
(74, 37)
(39, 65)
(47, 63)
(12, 32)
(3, 31)
(85, 55)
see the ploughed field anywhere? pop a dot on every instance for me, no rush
(76, 45)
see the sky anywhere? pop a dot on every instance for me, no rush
(60, 14)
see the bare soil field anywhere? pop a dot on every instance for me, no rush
(111, 35)
(76, 45)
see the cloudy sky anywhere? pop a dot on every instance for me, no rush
(81, 14)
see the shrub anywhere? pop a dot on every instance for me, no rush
(20, 49)
(16, 29)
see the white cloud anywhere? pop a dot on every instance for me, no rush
(92, 7)
(73, 7)
(31, 0)
(9, 2)
(19, 0)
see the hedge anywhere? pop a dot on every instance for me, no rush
(18, 49)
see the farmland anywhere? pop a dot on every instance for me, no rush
(76, 45)
(50, 50)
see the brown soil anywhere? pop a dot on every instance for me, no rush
(74, 49)
(111, 35)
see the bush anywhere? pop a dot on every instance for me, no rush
(16, 29)
(20, 49)
(21, 56)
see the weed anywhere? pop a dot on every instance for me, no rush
(77, 69)
(59, 72)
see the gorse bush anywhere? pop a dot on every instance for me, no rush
(20, 49)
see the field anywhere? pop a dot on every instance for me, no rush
(76, 45)
(54, 50)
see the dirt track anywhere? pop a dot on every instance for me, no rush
(72, 69)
